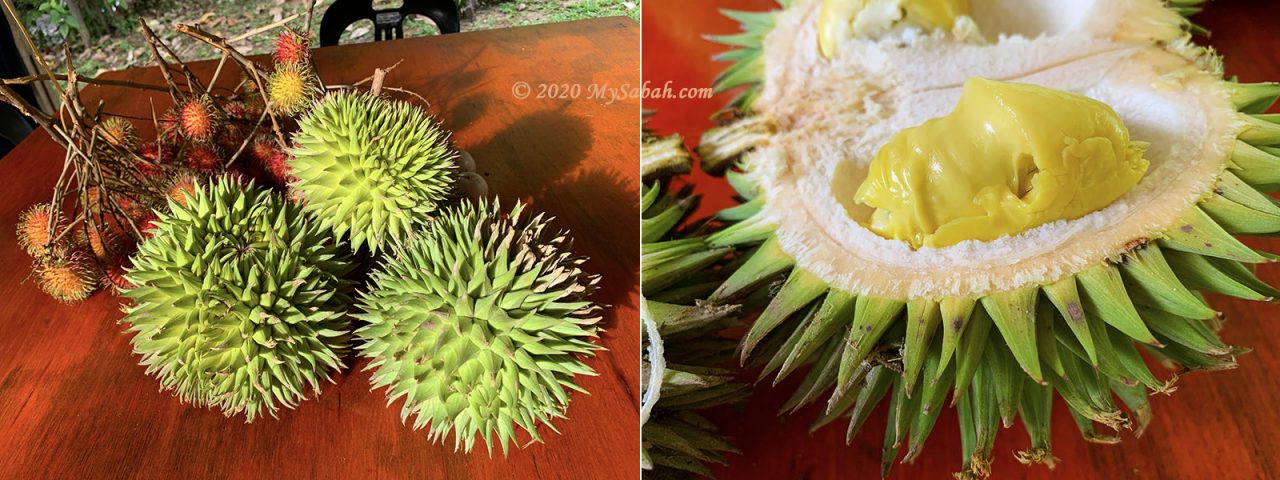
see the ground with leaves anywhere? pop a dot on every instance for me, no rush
(231, 18)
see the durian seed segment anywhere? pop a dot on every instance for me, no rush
(1010, 157)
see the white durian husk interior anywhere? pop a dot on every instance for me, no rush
(833, 116)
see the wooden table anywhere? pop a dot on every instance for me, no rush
(1220, 425)
(75, 404)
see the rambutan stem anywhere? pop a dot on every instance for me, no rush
(29, 79)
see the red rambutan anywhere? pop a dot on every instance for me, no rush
(291, 48)
(203, 158)
(181, 188)
(264, 147)
(101, 240)
(198, 120)
(168, 125)
(132, 208)
(157, 156)
(148, 225)
(278, 167)
(116, 272)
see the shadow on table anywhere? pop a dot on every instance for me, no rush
(560, 140)
(615, 208)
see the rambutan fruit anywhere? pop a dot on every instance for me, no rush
(132, 207)
(240, 110)
(94, 196)
(67, 275)
(115, 273)
(148, 225)
(102, 241)
(249, 86)
(157, 155)
(168, 127)
(291, 88)
(198, 120)
(264, 147)
(115, 267)
(120, 133)
(34, 228)
(203, 158)
(291, 48)
(181, 188)
(277, 166)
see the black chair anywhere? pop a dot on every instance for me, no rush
(13, 125)
(389, 23)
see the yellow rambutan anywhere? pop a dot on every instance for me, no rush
(291, 88)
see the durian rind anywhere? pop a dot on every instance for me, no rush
(480, 324)
(371, 169)
(239, 301)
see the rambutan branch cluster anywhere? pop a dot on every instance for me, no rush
(114, 181)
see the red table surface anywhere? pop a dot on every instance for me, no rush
(1221, 425)
(75, 404)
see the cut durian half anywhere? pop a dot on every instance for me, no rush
(1070, 303)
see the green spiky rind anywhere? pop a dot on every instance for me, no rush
(287, 98)
(371, 169)
(663, 156)
(479, 324)
(746, 55)
(1186, 8)
(673, 260)
(721, 147)
(1147, 296)
(676, 440)
(239, 301)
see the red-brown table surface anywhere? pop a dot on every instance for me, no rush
(1220, 425)
(75, 404)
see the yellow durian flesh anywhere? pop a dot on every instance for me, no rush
(840, 19)
(1010, 157)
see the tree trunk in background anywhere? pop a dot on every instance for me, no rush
(74, 6)
(46, 100)
(468, 10)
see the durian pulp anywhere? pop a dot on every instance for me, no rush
(830, 117)
(1010, 157)
(841, 19)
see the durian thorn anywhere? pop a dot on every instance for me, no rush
(1115, 420)
(979, 468)
(1094, 437)
(1168, 387)
(1135, 245)
(1036, 456)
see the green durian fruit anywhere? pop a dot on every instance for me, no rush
(239, 301)
(686, 363)
(480, 323)
(369, 168)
